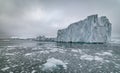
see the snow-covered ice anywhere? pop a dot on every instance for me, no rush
(11, 72)
(44, 52)
(93, 29)
(33, 71)
(6, 68)
(105, 53)
(9, 54)
(90, 57)
(73, 50)
(53, 64)
(54, 50)
(57, 50)
(28, 54)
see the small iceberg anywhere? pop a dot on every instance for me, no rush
(53, 65)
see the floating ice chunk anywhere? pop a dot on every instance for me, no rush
(54, 50)
(117, 65)
(80, 51)
(10, 47)
(9, 54)
(107, 60)
(77, 51)
(90, 58)
(14, 66)
(45, 52)
(97, 58)
(11, 72)
(73, 50)
(105, 53)
(27, 54)
(36, 48)
(33, 71)
(75, 55)
(54, 64)
(6, 68)
(62, 51)
(57, 50)
(86, 57)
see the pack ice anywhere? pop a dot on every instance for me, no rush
(93, 29)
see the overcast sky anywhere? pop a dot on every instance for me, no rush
(30, 18)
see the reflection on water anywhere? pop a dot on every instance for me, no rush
(25, 56)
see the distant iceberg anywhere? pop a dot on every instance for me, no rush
(93, 29)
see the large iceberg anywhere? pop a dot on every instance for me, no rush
(93, 29)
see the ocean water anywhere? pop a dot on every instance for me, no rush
(25, 56)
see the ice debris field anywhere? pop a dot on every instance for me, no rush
(46, 57)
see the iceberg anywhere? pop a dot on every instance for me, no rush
(53, 64)
(93, 29)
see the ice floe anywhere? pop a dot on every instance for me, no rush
(6, 68)
(90, 58)
(73, 50)
(14, 66)
(10, 47)
(36, 48)
(54, 64)
(105, 53)
(77, 51)
(9, 54)
(27, 54)
(57, 50)
(54, 50)
(33, 71)
(44, 52)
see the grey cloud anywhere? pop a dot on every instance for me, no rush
(33, 17)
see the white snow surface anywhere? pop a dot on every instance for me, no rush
(53, 63)
(93, 29)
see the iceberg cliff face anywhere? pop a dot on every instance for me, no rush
(93, 29)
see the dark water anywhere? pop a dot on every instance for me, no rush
(23, 56)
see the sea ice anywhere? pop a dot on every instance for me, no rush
(4, 69)
(33, 71)
(9, 54)
(90, 58)
(105, 53)
(44, 52)
(73, 50)
(54, 64)
(28, 54)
